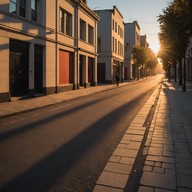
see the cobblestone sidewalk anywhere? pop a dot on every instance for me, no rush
(155, 157)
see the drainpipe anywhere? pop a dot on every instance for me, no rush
(56, 38)
(77, 47)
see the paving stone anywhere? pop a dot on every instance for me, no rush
(122, 145)
(145, 189)
(127, 160)
(125, 152)
(165, 181)
(135, 132)
(161, 159)
(99, 188)
(168, 154)
(134, 145)
(149, 163)
(168, 166)
(118, 168)
(159, 170)
(138, 120)
(113, 179)
(155, 151)
(136, 138)
(148, 168)
(115, 159)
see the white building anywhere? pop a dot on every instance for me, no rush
(132, 38)
(110, 45)
(46, 47)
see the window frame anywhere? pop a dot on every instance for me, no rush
(34, 12)
(23, 8)
(82, 30)
(90, 34)
(65, 22)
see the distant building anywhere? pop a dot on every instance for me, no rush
(143, 41)
(110, 45)
(46, 47)
(132, 38)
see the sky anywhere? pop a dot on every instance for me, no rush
(146, 12)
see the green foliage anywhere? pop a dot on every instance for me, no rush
(175, 29)
(144, 57)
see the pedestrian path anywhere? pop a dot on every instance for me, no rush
(161, 160)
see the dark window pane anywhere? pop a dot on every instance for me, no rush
(23, 3)
(33, 15)
(22, 12)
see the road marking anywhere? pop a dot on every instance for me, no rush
(57, 108)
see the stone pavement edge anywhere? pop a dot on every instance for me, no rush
(166, 152)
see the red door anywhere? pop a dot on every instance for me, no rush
(65, 67)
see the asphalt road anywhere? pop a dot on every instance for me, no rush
(64, 147)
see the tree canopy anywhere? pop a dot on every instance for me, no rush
(175, 29)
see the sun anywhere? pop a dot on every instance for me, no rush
(155, 46)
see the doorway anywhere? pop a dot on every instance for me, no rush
(19, 68)
(38, 69)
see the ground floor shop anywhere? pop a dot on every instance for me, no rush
(108, 68)
(35, 67)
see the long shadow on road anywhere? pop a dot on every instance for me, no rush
(43, 175)
(34, 125)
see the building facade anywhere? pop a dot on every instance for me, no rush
(143, 41)
(43, 53)
(110, 45)
(132, 38)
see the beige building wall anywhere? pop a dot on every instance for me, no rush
(45, 32)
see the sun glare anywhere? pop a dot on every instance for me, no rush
(155, 47)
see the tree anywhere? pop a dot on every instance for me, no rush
(139, 59)
(175, 29)
(144, 60)
(151, 60)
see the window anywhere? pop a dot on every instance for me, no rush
(113, 44)
(116, 27)
(90, 34)
(61, 20)
(34, 10)
(65, 22)
(82, 30)
(68, 24)
(22, 8)
(13, 6)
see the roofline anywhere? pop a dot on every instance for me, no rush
(112, 10)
